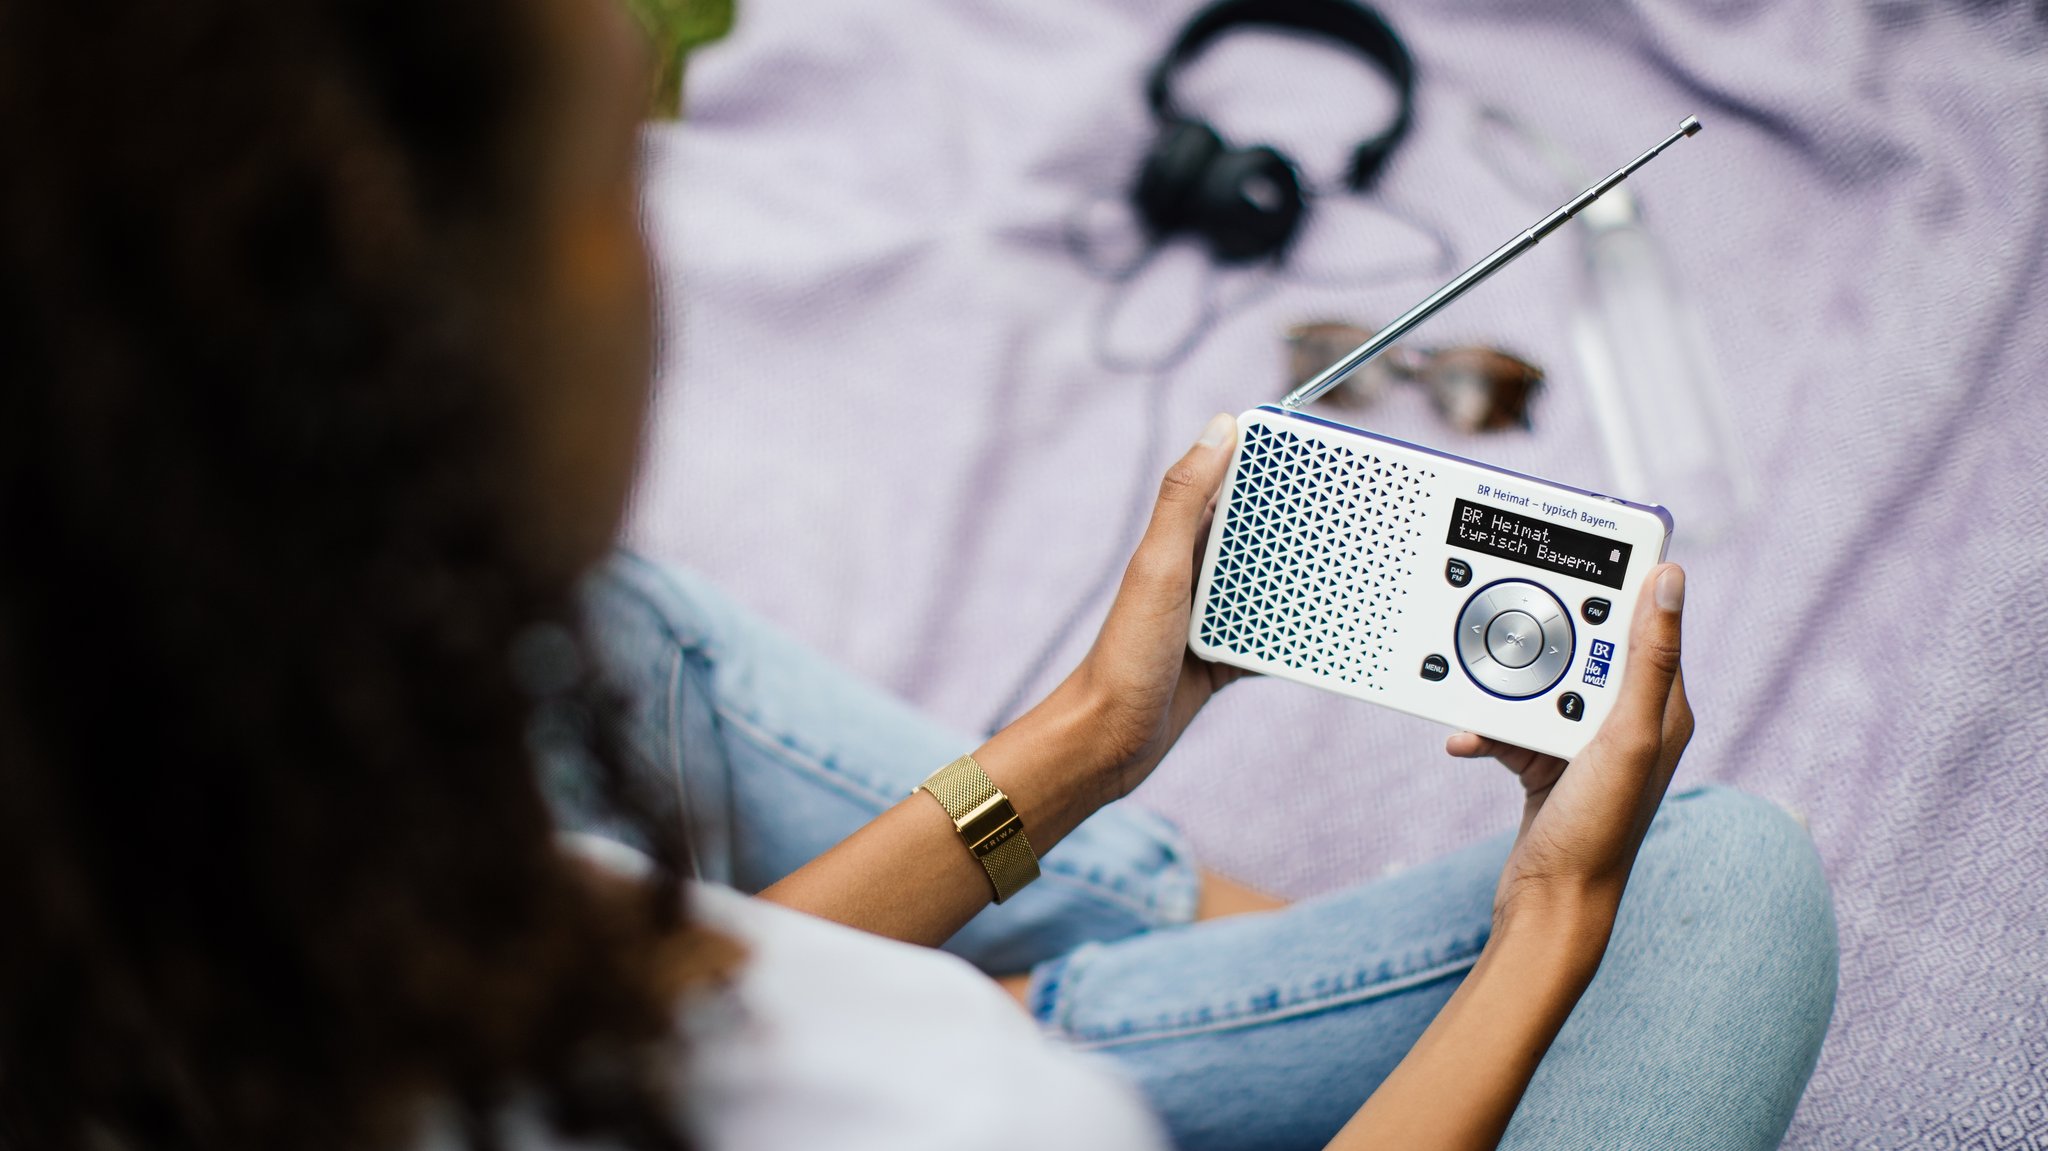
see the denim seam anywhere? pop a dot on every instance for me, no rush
(1143, 909)
(627, 575)
(1048, 979)
(1311, 1006)
(672, 711)
(809, 763)
(672, 723)
(704, 647)
(630, 585)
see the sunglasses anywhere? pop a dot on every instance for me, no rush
(1475, 388)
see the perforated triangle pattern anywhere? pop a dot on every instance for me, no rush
(1318, 544)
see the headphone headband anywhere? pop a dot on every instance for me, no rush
(1345, 21)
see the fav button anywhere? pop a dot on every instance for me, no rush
(1570, 706)
(1595, 610)
(1458, 572)
(1435, 667)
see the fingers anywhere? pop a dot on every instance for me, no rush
(1678, 720)
(1202, 528)
(1469, 745)
(1651, 716)
(1163, 563)
(1651, 683)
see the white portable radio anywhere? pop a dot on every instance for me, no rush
(1435, 585)
(1432, 584)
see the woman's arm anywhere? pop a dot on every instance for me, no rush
(1462, 1080)
(906, 874)
(1554, 909)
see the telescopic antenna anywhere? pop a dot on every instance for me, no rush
(1333, 375)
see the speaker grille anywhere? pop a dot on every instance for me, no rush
(1318, 544)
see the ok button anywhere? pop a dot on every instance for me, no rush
(1514, 639)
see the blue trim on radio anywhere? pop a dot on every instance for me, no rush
(1662, 514)
(1473, 680)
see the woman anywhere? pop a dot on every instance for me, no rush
(325, 329)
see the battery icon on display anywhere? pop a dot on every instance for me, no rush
(1614, 557)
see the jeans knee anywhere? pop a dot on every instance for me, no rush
(1751, 872)
(1708, 1014)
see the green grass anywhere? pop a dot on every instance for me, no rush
(676, 27)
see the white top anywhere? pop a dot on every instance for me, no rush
(832, 1037)
(829, 1037)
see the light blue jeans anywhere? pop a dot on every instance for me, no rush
(1259, 1031)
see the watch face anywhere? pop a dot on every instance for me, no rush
(988, 824)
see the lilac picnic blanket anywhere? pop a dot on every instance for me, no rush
(904, 413)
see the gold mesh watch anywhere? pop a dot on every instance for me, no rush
(987, 822)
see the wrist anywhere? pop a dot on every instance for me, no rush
(1051, 763)
(1565, 930)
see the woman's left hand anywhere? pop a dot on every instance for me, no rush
(1097, 736)
(1139, 683)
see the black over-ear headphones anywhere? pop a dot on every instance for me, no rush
(1247, 202)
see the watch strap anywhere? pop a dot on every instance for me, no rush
(988, 824)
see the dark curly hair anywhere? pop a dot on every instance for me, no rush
(275, 867)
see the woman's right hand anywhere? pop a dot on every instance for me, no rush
(1554, 910)
(1582, 822)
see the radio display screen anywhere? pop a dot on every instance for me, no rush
(1539, 544)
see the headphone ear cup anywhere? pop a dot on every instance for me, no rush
(1173, 173)
(1249, 204)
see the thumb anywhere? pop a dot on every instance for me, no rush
(1163, 554)
(1653, 649)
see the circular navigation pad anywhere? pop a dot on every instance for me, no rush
(1515, 639)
